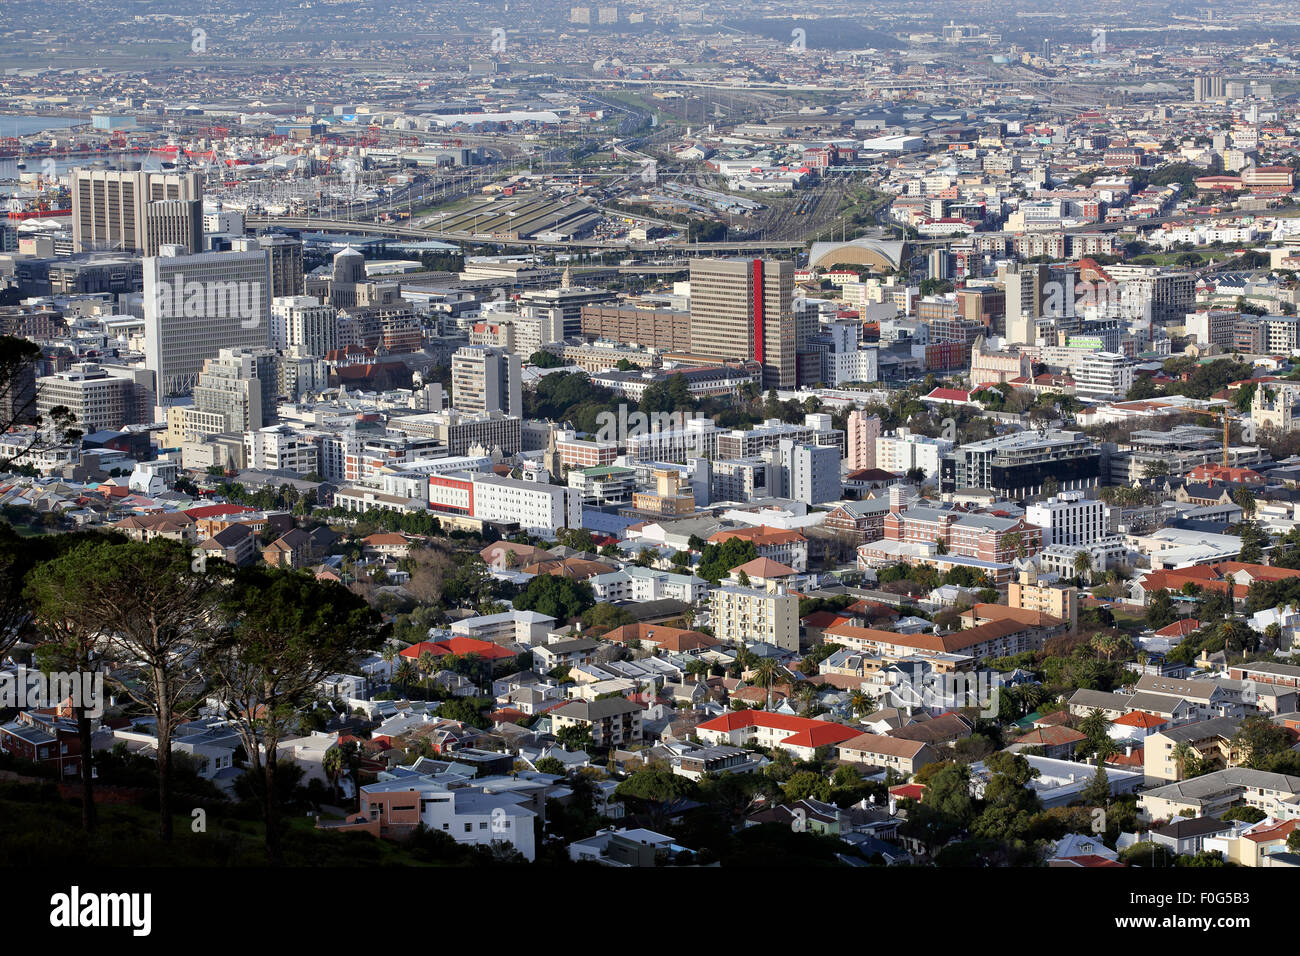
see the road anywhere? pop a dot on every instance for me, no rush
(412, 232)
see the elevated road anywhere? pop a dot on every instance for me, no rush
(400, 231)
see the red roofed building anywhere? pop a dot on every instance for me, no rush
(460, 646)
(1180, 628)
(1058, 742)
(1137, 725)
(905, 791)
(1214, 471)
(763, 571)
(800, 736)
(948, 396)
(218, 511)
(1233, 577)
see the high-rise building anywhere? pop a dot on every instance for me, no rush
(349, 272)
(286, 263)
(808, 473)
(564, 305)
(241, 385)
(862, 432)
(1070, 518)
(1019, 465)
(197, 305)
(114, 210)
(306, 322)
(1026, 291)
(744, 309)
(281, 448)
(755, 615)
(486, 379)
(173, 222)
(1207, 88)
(1103, 375)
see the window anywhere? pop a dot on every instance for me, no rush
(469, 828)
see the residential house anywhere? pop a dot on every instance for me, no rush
(1207, 742)
(888, 753)
(612, 722)
(1211, 794)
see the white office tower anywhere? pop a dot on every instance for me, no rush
(135, 211)
(306, 322)
(197, 305)
(486, 379)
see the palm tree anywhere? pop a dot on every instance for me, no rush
(427, 665)
(1104, 644)
(405, 674)
(1185, 759)
(1083, 564)
(807, 693)
(767, 677)
(332, 764)
(861, 702)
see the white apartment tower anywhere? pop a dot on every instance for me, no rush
(485, 379)
(306, 322)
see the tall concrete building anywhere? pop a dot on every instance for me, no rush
(1026, 288)
(197, 305)
(304, 321)
(743, 309)
(860, 439)
(1206, 88)
(286, 263)
(136, 211)
(242, 385)
(808, 473)
(485, 379)
(349, 271)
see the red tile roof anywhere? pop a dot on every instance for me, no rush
(460, 646)
(804, 731)
(1140, 718)
(1180, 628)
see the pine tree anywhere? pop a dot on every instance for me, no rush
(1097, 793)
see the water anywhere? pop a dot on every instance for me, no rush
(151, 162)
(11, 125)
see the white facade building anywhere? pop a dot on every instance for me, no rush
(1070, 518)
(903, 451)
(537, 508)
